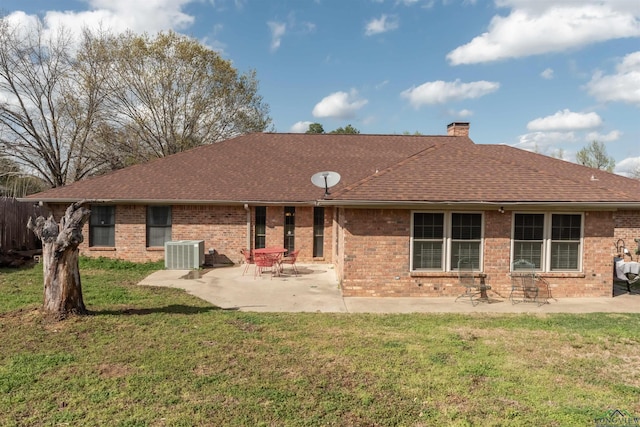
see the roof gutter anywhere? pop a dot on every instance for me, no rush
(409, 204)
(246, 208)
(169, 201)
(479, 205)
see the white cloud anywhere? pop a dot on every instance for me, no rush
(463, 114)
(340, 105)
(292, 26)
(381, 84)
(278, 29)
(300, 127)
(224, 4)
(441, 92)
(382, 25)
(119, 15)
(547, 74)
(116, 16)
(536, 27)
(308, 27)
(547, 143)
(624, 86)
(628, 166)
(565, 120)
(614, 135)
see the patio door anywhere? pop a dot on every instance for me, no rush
(290, 228)
(260, 238)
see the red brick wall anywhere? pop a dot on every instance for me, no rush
(376, 253)
(370, 248)
(275, 226)
(223, 228)
(303, 231)
(377, 246)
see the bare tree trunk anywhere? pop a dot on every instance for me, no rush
(62, 287)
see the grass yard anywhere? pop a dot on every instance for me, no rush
(160, 357)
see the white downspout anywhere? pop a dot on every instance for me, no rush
(246, 208)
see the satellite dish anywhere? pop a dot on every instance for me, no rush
(326, 180)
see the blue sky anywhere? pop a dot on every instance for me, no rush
(542, 75)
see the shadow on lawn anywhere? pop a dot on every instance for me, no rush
(169, 309)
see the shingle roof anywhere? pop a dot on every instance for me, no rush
(277, 168)
(491, 173)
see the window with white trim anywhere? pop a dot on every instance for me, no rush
(439, 240)
(566, 234)
(528, 238)
(552, 242)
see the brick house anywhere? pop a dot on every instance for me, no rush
(404, 211)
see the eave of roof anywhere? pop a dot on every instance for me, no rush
(170, 201)
(507, 206)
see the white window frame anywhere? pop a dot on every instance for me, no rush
(547, 242)
(447, 241)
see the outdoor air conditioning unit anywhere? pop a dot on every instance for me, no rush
(184, 254)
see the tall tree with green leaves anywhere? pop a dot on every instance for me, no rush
(170, 93)
(347, 130)
(595, 156)
(315, 128)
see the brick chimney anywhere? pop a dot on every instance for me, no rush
(458, 129)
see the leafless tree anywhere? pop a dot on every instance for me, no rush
(48, 104)
(72, 107)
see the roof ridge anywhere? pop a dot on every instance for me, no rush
(388, 169)
(361, 134)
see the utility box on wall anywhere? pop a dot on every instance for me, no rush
(184, 254)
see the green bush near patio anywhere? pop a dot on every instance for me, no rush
(158, 356)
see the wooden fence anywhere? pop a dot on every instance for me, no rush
(14, 216)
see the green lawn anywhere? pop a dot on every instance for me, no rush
(160, 357)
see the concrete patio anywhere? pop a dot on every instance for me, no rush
(316, 289)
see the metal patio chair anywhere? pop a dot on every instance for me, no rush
(248, 259)
(473, 289)
(265, 262)
(291, 260)
(524, 287)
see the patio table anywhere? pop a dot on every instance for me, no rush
(270, 250)
(274, 253)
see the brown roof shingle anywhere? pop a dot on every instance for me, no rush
(277, 168)
(491, 173)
